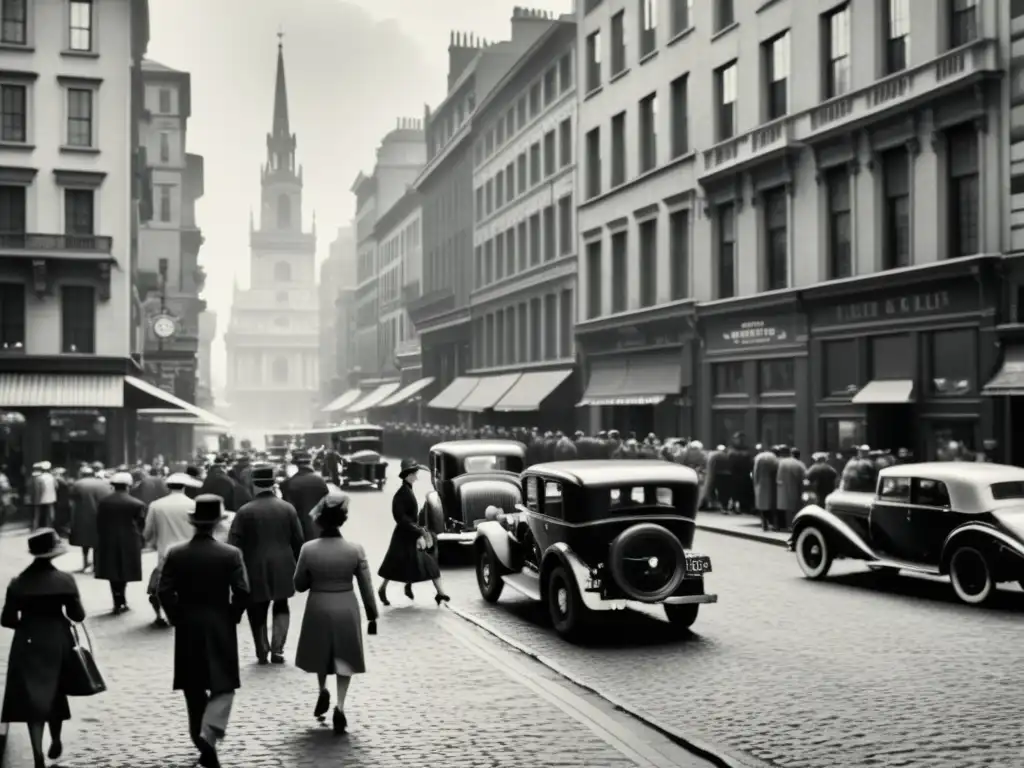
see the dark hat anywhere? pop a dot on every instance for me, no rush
(222, 458)
(46, 543)
(192, 471)
(301, 457)
(209, 510)
(263, 474)
(408, 466)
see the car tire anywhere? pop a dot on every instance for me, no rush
(682, 616)
(813, 554)
(569, 615)
(488, 573)
(615, 561)
(971, 575)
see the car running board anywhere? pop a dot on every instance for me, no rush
(524, 583)
(902, 566)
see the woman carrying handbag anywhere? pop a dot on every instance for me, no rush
(46, 664)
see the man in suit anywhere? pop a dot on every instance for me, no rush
(120, 519)
(219, 483)
(86, 493)
(790, 485)
(268, 533)
(168, 522)
(765, 478)
(151, 486)
(303, 490)
(204, 589)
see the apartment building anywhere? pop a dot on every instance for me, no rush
(337, 277)
(524, 260)
(776, 224)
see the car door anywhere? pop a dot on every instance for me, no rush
(890, 520)
(933, 518)
(544, 514)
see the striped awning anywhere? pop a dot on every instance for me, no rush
(639, 379)
(175, 402)
(45, 390)
(454, 393)
(343, 401)
(407, 393)
(375, 398)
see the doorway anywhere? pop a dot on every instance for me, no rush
(891, 427)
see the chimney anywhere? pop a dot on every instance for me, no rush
(462, 49)
(528, 24)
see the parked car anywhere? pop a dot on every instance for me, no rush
(360, 447)
(469, 476)
(955, 519)
(594, 536)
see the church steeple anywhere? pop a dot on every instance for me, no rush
(281, 141)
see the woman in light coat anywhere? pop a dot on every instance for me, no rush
(331, 640)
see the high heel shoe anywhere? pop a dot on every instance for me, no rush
(323, 703)
(408, 592)
(383, 596)
(440, 597)
(340, 722)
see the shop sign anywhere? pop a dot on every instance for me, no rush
(895, 308)
(744, 334)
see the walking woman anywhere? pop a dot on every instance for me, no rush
(407, 558)
(331, 639)
(40, 601)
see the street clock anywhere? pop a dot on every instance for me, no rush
(164, 326)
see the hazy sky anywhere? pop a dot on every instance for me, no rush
(352, 68)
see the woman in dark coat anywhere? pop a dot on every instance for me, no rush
(120, 521)
(39, 603)
(407, 559)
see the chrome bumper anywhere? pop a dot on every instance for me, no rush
(465, 539)
(690, 599)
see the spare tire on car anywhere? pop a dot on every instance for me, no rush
(648, 562)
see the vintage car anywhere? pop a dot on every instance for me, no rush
(595, 536)
(955, 519)
(360, 447)
(469, 476)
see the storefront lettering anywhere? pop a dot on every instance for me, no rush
(755, 332)
(914, 304)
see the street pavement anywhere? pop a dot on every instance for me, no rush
(437, 689)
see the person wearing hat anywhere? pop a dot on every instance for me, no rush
(219, 483)
(40, 602)
(196, 474)
(269, 535)
(85, 495)
(43, 495)
(764, 475)
(168, 522)
(406, 559)
(821, 477)
(120, 519)
(303, 490)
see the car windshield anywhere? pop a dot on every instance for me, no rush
(1010, 489)
(648, 499)
(476, 464)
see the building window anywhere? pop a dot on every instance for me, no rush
(535, 163)
(488, 262)
(565, 142)
(499, 256)
(13, 22)
(522, 339)
(489, 197)
(550, 161)
(963, 22)
(728, 379)
(680, 16)
(535, 97)
(725, 98)
(480, 211)
(12, 317)
(618, 43)
(648, 26)
(165, 203)
(12, 210)
(13, 103)
(964, 194)
(499, 189)
(897, 36)
(619, 149)
(565, 73)
(953, 362)
(535, 330)
(81, 25)
(509, 339)
(521, 172)
(648, 132)
(776, 59)
(79, 117)
(840, 368)
(836, 34)
(165, 147)
(896, 187)
(78, 212)
(840, 219)
(165, 101)
(550, 236)
(566, 236)
(777, 427)
(510, 181)
(648, 231)
(78, 319)
(725, 423)
(594, 267)
(566, 322)
(680, 116)
(282, 272)
(593, 142)
(725, 14)
(777, 376)
(489, 341)
(524, 245)
(620, 274)
(594, 60)
(550, 86)
(510, 251)
(726, 221)
(551, 327)
(776, 239)
(535, 240)
(478, 266)
(279, 370)
(679, 254)
(499, 339)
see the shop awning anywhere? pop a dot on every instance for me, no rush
(642, 379)
(1010, 378)
(886, 392)
(533, 387)
(373, 399)
(188, 421)
(407, 392)
(343, 401)
(42, 390)
(454, 393)
(488, 392)
(157, 395)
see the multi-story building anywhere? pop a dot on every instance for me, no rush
(71, 85)
(441, 313)
(337, 274)
(273, 341)
(786, 234)
(204, 359)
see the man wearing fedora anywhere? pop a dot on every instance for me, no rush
(219, 483)
(168, 522)
(268, 533)
(120, 520)
(304, 490)
(204, 589)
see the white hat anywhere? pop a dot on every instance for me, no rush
(122, 478)
(696, 445)
(45, 466)
(180, 478)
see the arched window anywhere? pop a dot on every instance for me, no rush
(282, 272)
(279, 370)
(284, 212)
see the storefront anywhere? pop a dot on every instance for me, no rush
(1006, 387)
(899, 358)
(638, 368)
(754, 371)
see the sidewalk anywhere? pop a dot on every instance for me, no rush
(740, 526)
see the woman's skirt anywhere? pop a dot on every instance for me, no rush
(404, 563)
(36, 672)
(331, 639)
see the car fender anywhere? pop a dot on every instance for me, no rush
(560, 554)
(834, 525)
(495, 534)
(968, 530)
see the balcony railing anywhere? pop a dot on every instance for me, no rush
(37, 242)
(892, 94)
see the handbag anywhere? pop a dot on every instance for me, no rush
(84, 678)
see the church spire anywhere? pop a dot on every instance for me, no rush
(280, 140)
(280, 129)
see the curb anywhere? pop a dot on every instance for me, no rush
(748, 535)
(702, 749)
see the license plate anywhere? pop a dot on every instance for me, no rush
(698, 565)
(593, 585)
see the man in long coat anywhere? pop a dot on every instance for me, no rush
(268, 533)
(150, 487)
(765, 471)
(86, 493)
(204, 589)
(790, 484)
(219, 483)
(303, 490)
(120, 519)
(168, 522)
(821, 477)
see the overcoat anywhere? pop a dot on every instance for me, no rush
(766, 467)
(39, 603)
(791, 484)
(565, 450)
(120, 521)
(149, 489)
(303, 490)
(220, 484)
(204, 590)
(821, 480)
(267, 532)
(403, 561)
(86, 495)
